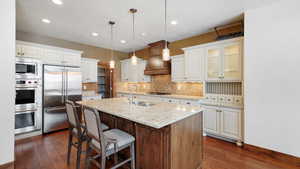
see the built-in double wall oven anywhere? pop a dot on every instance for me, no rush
(28, 96)
(27, 105)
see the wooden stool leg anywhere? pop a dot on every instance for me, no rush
(79, 154)
(69, 146)
(87, 156)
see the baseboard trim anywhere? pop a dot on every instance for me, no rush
(285, 158)
(7, 166)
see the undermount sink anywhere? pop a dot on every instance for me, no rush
(143, 103)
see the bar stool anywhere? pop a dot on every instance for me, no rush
(105, 143)
(76, 129)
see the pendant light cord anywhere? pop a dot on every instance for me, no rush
(166, 23)
(133, 31)
(111, 41)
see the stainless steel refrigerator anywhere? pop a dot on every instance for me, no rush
(59, 84)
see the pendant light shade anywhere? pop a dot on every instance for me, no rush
(166, 51)
(112, 62)
(166, 54)
(133, 57)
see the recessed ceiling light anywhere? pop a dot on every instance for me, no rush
(57, 2)
(174, 22)
(46, 21)
(144, 34)
(123, 41)
(95, 34)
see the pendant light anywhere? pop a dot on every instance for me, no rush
(133, 57)
(166, 51)
(111, 62)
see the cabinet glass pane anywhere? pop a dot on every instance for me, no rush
(213, 58)
(232, 63)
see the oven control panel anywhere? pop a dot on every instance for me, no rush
(27, 83)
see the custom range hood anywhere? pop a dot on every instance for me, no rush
(155, 63)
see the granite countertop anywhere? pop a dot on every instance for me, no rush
(157, 116)
(165, 96)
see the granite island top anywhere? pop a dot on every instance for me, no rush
(159, 115)
(165, 96)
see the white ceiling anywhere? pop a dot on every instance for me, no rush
(75, 20)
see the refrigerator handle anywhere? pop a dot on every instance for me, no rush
(66, 84)
(63, 88)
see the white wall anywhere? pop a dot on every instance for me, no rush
(272, 77)
(7, 64)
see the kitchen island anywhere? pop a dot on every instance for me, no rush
(168, 136)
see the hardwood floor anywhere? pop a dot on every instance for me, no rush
(49, 152)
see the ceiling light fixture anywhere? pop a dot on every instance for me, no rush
(95, 34)
(166, 51)
(58, 2)
(174, 22)
(133, 57)
(112, 62)
(144, 34)
(46, 21)
(123, 41)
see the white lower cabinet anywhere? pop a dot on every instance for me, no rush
(223, 122)
(211, 120)
(230, 123)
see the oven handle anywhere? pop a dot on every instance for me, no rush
(25, 112)
(27, 88)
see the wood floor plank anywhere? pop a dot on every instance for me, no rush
(49, 152)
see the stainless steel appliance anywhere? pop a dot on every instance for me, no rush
(27, 68)
(28, 105)
(27, 121)
(28, 94)
(59, 84)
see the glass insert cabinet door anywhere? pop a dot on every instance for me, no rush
(232, 61)
(213, 62)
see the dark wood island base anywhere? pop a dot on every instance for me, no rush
(176, 146)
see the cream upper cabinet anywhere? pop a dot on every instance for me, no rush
(134, 73)
(53, 57)
(194, 60)
(213, 63)
(71, 59)
(232, 61)
(48, 54)
(89, 70)
(190, 66)
(57, 57)
(178, 68)
(125, 71)
(224, 60)
(23, 50)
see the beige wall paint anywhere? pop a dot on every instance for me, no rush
(88, 51)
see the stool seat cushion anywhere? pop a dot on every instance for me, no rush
(122, 138)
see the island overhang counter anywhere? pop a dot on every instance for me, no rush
(168, 136)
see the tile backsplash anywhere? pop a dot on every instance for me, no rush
(164, 84)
